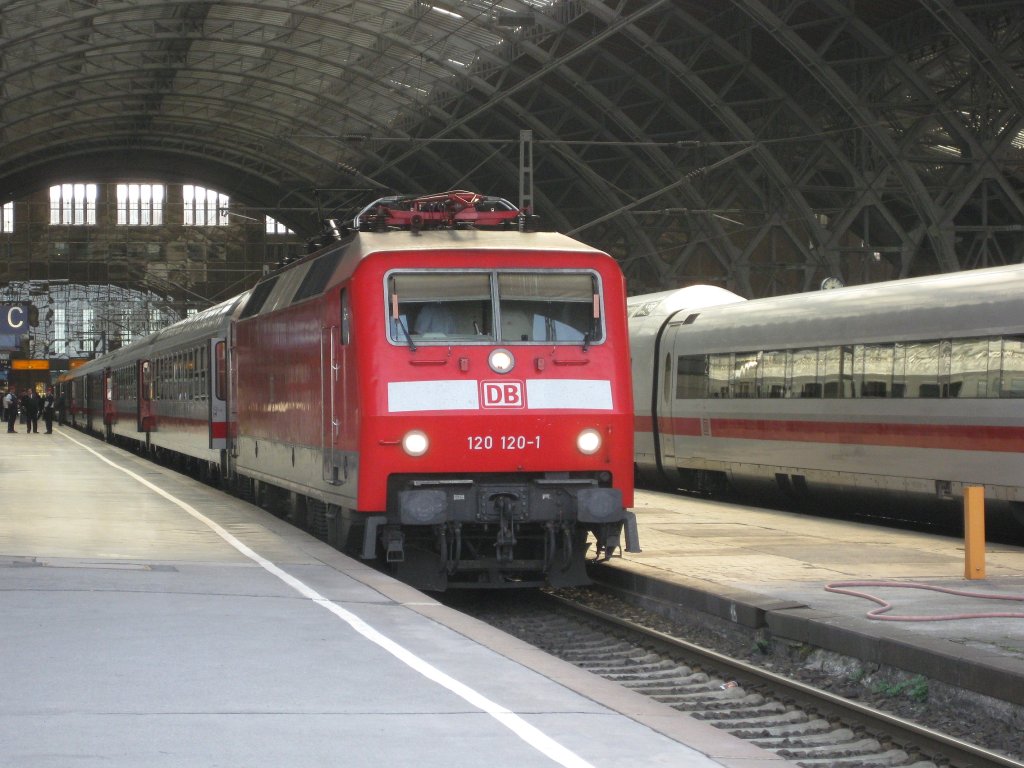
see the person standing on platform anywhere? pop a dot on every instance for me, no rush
(29, 412)
(11, 403)
(37, 409)
(59, 407)
(48, 410)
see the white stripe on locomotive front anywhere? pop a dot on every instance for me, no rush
(464, 395)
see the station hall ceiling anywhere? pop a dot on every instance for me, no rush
(760, 144)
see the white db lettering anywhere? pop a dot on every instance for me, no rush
(503, 394)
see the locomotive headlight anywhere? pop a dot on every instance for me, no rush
(589, 441)
(415, 443)
(501, 360)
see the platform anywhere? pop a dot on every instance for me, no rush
(771, 570)
(149, 620)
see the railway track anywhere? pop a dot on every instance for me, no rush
(798, 722)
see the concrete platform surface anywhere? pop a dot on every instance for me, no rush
(149, 620)
(874, 593)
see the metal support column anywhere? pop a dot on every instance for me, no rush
(525, 177)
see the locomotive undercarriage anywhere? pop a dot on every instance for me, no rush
(500, 531)
(454, 532)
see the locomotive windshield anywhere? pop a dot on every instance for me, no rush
(494, 307)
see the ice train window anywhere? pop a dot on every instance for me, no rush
(744, 379)
(922, 371)
(969, 368)
(691, 377)
(899, 370)
(873, 369)
(719, 370)
(1013, 367)
(804, 373)
(835, 366)
(773, 373)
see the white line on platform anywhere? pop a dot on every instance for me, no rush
(528, 733)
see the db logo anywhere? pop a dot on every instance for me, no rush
(503, 394)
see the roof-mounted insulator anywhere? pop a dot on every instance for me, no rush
(445, 210)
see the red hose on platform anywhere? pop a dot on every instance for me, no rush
(843, 588)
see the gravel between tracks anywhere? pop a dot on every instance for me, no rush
(979, 719)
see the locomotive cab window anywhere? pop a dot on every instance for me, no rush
(440, 307)
(549, 307)
(484, 307)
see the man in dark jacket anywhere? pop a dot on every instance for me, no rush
(30, 402)
(48, 410)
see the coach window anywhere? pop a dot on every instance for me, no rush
(198, 374)
(836, 368)
(549, 307)
(773, 373)
(744, 374)
(719, 371)
(1013, 367)
(201, 377)
(922, 373)
(185, 381)
(691, 377)
(945, 355)
(899, 371)
(846, 372)
(804, 373)
(873, 369)
(968, 373)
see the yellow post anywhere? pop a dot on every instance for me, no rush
(974, 532)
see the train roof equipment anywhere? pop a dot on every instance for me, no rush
(963, 304)
(453, 209)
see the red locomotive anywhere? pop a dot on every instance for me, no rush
(456, 402)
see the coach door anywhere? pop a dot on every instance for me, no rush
(334, 342)
(217, 385)
(331, 418)
(666, 428)
(144, 379)
(109, 414)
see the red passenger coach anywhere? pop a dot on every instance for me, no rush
(166, 394)
(457, 401)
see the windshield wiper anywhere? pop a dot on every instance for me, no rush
(405, 332)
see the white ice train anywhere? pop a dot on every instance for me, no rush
(909, 387)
